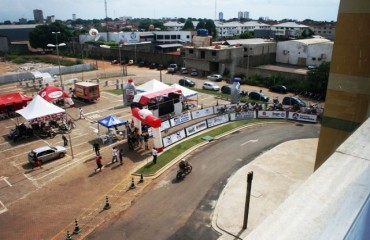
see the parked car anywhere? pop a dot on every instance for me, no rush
(194, 72)
(290, 101)
(46, 153)
(311, 67)
(172, 68)
(226, 89)
(259, 96)
(130, 62)
(160, 67)
(186, 82)
(278, 89)
(153, 66)
(184, 70)
(215, 77)
(142, 64)
(210, 86)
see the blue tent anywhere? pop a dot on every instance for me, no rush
(111, 121)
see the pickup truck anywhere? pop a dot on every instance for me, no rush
(172, 68)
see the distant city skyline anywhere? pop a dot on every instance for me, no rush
(317, 10)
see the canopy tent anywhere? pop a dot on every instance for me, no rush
(152, 85)
(57, 96)
(186, 92)
(40, 108)
(51, 93)
(144, 98)
(14, 100)
(111, 121)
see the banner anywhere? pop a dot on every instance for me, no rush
(183, 118)
(173, 138)
(165, 125)
(202, 113)
(302, 117)
(242, 115)
(272, 114)
(218, 120)
(196, 128)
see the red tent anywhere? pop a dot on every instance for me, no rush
(51, 93)
(145, 97)
(14, 100)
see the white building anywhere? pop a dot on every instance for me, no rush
(304, 52)
(288, 29)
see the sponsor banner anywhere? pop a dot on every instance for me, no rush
(183, 118)
(242, 115)
(217, 120)
(173, 138)
(196, 128)
(302, 117)
(202, 112)
(272, 114)
(165, 125)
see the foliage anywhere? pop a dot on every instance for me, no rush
(209, 25)
(318, 78)
(42, 35)
(145, 23)
(246, 35)
(188, 25)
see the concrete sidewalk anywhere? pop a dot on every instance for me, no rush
(276, 174)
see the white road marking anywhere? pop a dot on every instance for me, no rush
(3, 209)
(6, 180)
(250, 141)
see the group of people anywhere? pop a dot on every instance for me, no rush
(116, 155)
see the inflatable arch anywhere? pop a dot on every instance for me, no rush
(146, 116)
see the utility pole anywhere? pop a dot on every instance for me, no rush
(247, 199)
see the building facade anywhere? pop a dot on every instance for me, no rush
(38, 16)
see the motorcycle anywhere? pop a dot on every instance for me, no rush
(185, 169)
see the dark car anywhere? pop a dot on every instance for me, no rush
(153, 66)
(259, 96)
(186, 82)
(160, 67)
(226, 89)
(289, 101)
(278, 89)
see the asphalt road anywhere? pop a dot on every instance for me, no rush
(182, 210)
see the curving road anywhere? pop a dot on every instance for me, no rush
(172, 210)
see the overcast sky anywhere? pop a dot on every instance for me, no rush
(320, 10)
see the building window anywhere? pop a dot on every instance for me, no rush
(191, 51)
(202, 54)
(314, 59)
(214, 53)
(159, 36)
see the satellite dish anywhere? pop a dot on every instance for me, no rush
(94, 33)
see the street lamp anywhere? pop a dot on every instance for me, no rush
(57, 47)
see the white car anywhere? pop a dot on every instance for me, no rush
(215, 77)
(211, 86)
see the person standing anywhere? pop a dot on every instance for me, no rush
(98, 163)
(65, 140)
(146, 141)
(96, 148)
(114, 155)
(120, 156)
(155, 154)
(82, 114)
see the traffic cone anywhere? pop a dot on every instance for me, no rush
(107, 204)
(132, 184)
(141, 178)
(77, 228)
(68, 236)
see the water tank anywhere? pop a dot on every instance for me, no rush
(202, 32)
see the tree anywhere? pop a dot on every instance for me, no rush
(211, 27)
(42, 35)
(318, 78)
(246, 35)
(188, 25)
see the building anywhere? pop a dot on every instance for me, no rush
(326, 30)
(15, 37)
(220, 16)
(38, 16)
(304, 52)
(288, 30)
(50, 19)
(22, 21)
(246, 15)
(74, 17)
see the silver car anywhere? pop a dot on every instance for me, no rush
(46, 153)
(211, 86)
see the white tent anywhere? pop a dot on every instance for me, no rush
(152, 86)
(38, 108)
(186, 92)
